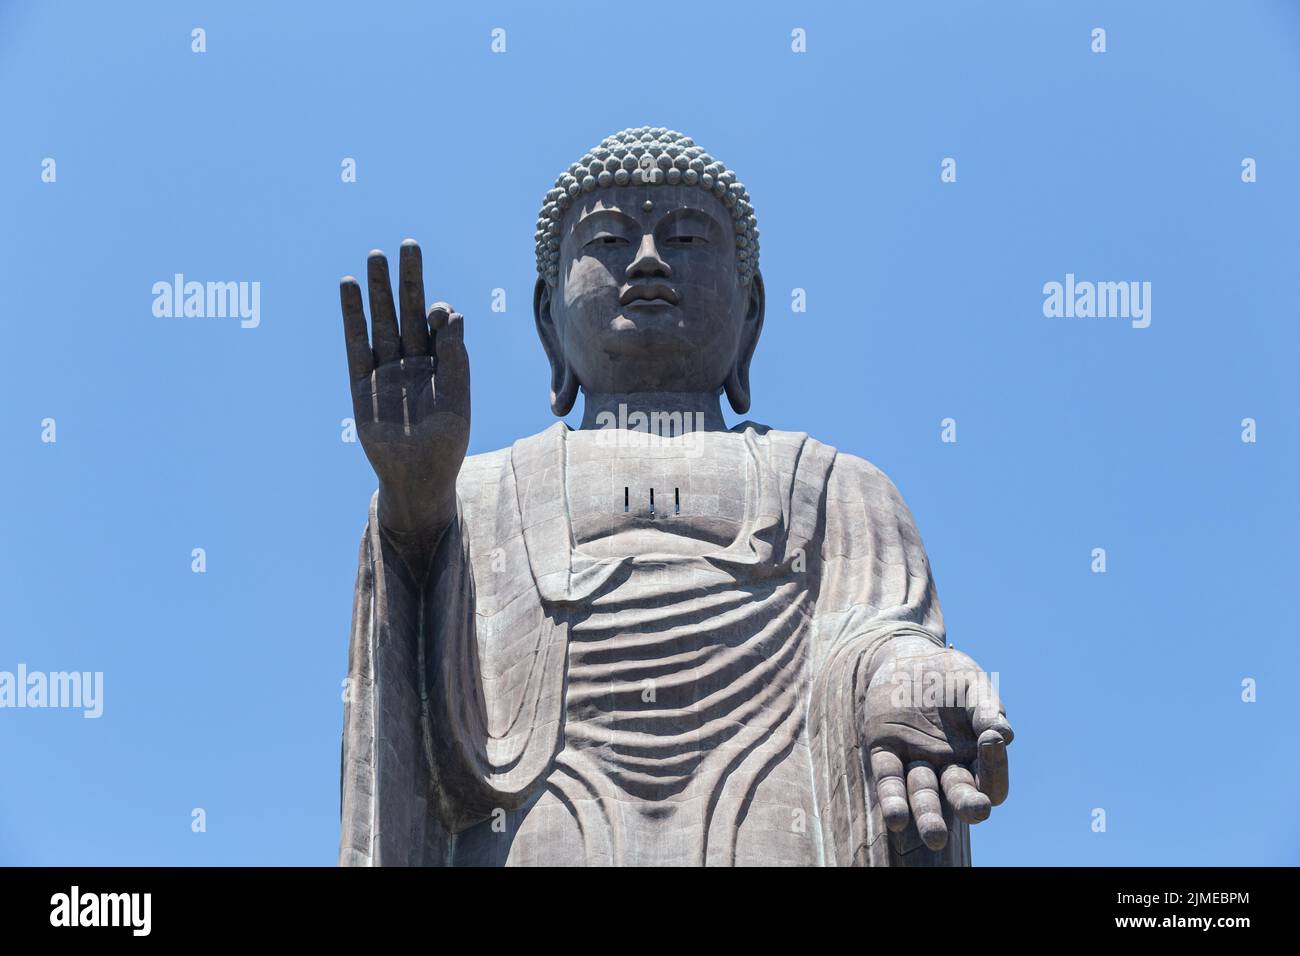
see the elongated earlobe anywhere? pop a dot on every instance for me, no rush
(562, 398)
(737, 387)
(737, 384)
(564, 384)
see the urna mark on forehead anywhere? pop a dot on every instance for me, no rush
(646, 156)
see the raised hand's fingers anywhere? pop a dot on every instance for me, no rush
(923, 792)
(991, 772)
(410, 286)
(451, 377)
(891, 791)
(360, 360)
(438, 313)
(383, 318)
(958, 785)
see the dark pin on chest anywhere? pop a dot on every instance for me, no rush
(677, 501)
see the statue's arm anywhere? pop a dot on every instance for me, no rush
(462, 676)
(930, 760)
(385, 768)
(409, 382)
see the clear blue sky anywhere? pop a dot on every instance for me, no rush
(222, 690)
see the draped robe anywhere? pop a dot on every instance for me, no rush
(530, 703)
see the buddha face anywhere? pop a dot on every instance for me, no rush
(649, 297)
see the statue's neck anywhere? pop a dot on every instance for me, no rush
(704, 408)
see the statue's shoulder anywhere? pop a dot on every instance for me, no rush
(860, 488)
(846, 470)
(855, 471)
(480, 482)
(490, 467)
(485, 465)
(848, 479)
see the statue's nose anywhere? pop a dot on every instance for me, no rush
(647, 263)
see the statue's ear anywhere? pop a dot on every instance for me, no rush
(564, 384)
(738, 378)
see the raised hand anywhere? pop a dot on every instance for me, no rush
(936, 733)
(410, 397)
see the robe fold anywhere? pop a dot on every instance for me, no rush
(531, 703)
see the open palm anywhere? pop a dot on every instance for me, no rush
(410, 392)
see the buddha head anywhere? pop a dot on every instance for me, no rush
(648, 281)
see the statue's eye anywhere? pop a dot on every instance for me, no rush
(686, 241)
(607, 241)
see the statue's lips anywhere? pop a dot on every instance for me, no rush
(649, 294)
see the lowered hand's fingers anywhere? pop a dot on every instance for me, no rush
(968, 803)
(923, 793)
(991, 766)
(891, 791)
(383, 318)
(985, 708)
(410, 286)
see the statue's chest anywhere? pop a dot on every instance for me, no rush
(628, 496)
